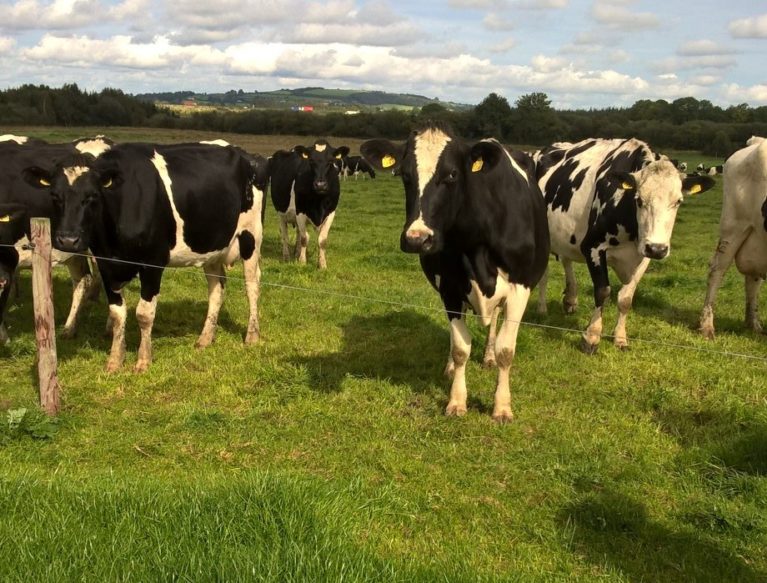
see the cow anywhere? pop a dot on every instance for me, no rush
(682, 166)
(701, 168)
(19, 202)
(305, 186)
(477, 219)
(358, 165)
(742, 231)
(714, 170)
(142, 207)
(611, 202)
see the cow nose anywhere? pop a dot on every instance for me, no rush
(67, 242)
(655, 250)
(419, 240)
(321, 185)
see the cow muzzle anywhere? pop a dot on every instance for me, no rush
(320, 186)
(417, 241)
(655, 250)
(70, 242)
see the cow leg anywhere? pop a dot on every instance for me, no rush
(118, 314)
(145, 313)
(570, 297)
(753, 284)
(625, 298)
(460, 348)
(505, 348)
(322, 239)
(725, 252)
(543, 284)
(5, 293)
(488, 360)
(302, 238)
(214, 273)
(284, 237)
(82, 283)
(599, 276)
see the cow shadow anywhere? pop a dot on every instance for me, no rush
(610, 529)
(403, 347)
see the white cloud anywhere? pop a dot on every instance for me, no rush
(754, 94)
(671, 64)
(58, 15)
(6, 45)
(541, 4)
(754, 27)
(616, 14)
(544, 64)
(504, 46)
(496, 22)
(478, 4)
(703, 48)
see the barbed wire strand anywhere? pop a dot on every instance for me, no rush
(347, 296)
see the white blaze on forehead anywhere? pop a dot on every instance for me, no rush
(429, 145)
(320, 147)
(74, 172)
(94, 147)
(12, 138)
(219, 142)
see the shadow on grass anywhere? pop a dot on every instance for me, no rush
(404, 347)
(725, 439)
(609, 529)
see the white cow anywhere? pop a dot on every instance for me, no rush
(742, 231)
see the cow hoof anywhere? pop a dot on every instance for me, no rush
(489, 363)
(455, 410)
(543, 309)
(588, 348)
(112, 366)
(252, 338)
(67, 333)
(569, 308)
(503, 416)
(141, 366)
(621, 344)
(203, 342)
(708, 333)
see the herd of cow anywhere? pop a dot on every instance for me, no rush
(482, 217)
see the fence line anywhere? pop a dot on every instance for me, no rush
(342, 295)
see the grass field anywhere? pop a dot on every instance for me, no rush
(323, 454)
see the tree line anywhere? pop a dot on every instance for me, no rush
(683, 124)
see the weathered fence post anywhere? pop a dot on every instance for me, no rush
(45, 331)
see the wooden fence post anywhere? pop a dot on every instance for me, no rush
(45, 330)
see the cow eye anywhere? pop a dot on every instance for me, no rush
(639, 202)
(452, 176)
(677, 203)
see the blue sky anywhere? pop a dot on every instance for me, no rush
(582, 53)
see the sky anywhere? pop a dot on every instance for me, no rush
(581, 53)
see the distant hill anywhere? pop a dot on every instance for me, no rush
(316, 97)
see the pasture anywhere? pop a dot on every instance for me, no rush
(323, 453)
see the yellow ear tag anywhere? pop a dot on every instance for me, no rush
(627, 186)
(304, 155)
(5, 219)
(696, 188)
(44, 182)
(108, 183)
(388, 161)
(477, 166)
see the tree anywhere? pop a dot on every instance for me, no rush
(534, 121)
(491, 116)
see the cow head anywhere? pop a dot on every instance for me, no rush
(324, 163)
(14, 224)
(436, 170)
(658, 190)
(76, 187)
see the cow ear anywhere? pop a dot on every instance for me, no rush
(302, 151)
(383, 154)
(485, 155)
(694, 184)
(341, 152)
(37, 177)
(625, 180)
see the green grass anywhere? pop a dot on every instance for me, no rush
(323, 453)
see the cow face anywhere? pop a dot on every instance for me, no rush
(324, 163)
(658, 191)
(76, 188)
(437, 171)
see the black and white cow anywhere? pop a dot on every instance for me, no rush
(476, 217)
(610, 203)
(305, 186)
(358, 165)
(714, 170)
(682, 166)
(138, 206)
(742, 231)
(19, 202)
